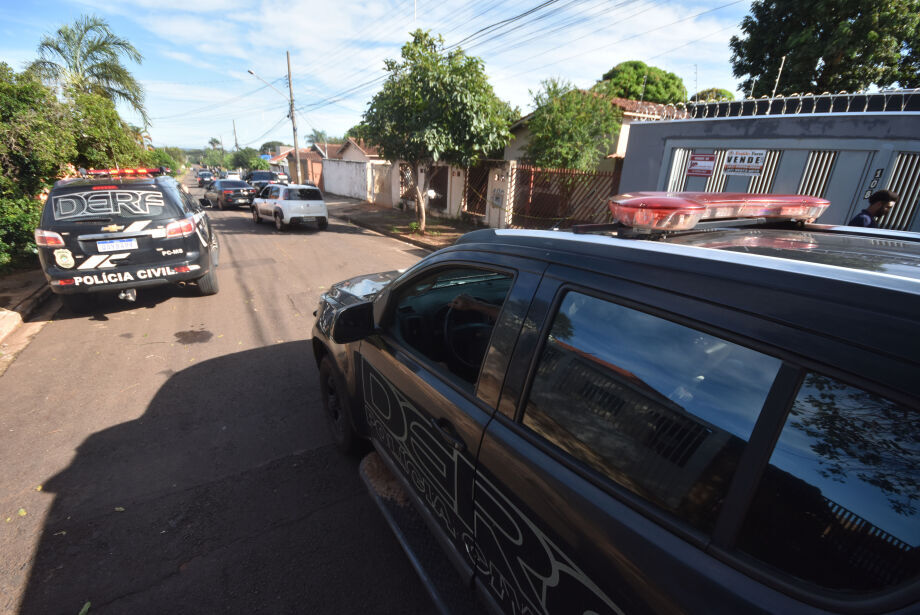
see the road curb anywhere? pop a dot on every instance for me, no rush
(11, 319)
(400, 237)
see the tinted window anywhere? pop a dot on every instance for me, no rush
(262, 176)
(120, 202)
(230, 183)
(661, 409)
(275, 192)
(448, 317)
(304, 194)
(839, 504)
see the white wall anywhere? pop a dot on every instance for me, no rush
(346, 178)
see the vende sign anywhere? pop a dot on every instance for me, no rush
(744, 161)
(701, 165)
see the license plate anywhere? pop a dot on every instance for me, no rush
(114, 245)
(309, 219)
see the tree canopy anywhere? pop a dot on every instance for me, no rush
(247, 158)
(712, 94)
(103, 139)
(571, 128)
(829, 46)
(636, 80)
(86, 58)
(272, 146)
(435, 105)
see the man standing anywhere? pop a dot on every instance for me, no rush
(880, 203)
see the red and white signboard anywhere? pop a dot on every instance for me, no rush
(744, 161)
(701, 165)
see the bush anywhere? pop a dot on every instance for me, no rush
(18, 220)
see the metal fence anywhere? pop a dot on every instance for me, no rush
(547, 198)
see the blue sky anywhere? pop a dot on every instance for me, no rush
(197, 52)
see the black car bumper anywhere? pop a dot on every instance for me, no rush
(70, 282)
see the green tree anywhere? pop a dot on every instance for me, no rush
(636, 80)
(35, 135)
(829, 46)
(214, 142)
(103, 140)
(85, 57)
(35, 144)
(713, 94)
(435, 106)
(246, 158)
(317, 136)
(570, 128)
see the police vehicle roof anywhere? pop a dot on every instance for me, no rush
(81, 182)
(872, 251)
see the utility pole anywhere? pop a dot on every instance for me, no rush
(236, 143)
(294, 121)
(696, 81)
(778, 74)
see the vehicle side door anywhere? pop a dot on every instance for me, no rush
(623, 418)
(431, 377)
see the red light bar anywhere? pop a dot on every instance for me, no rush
(105, 187)
(677, 211)
(136, 171)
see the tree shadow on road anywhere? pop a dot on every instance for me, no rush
(225, 496)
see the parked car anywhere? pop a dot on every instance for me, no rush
(121, 232)
(284, 178)
(234, 175)
(293, 204)
(260, 179)
(655, 416)
(205, 178)
(226, 193)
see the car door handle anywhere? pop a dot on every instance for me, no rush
(446, 431)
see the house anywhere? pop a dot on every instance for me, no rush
(633, 111)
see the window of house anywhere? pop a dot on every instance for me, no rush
(448, 316)
(661, 409)
(839, 504)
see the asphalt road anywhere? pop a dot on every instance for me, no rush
(169, 456)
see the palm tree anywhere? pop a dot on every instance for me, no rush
(214, 142)
(85, 57)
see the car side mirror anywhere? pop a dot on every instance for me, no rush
(353, 323)
(204, 202)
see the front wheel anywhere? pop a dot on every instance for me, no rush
(255, 215)
(335, 407)
(207, 284)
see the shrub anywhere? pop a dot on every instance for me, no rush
(18, 220)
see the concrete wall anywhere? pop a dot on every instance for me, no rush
(346, 178)
(384, 183)
(867, 144)
(519, 140)
(352, 154)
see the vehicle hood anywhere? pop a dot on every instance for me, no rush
(362, 287)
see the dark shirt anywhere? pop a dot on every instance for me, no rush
(863, 218)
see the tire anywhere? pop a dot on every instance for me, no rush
(335, 408)
(322, 224)
(78, 304)
(207, 284)
(279, 222)
(255, 215)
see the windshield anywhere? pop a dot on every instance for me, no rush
(262, 175)
(89, 203)
(233, 184)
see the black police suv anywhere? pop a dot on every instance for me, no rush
(123, 231)
(668, 414)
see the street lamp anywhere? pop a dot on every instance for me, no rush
(290, 111)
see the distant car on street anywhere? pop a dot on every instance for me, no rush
(205, 178)
(293, 204)
(233, 175)
(260, 179)
(226, 193)
(284, 178)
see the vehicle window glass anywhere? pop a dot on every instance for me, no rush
(661, 409)
(839, 504)
(125, 202)
(448, 317)
(274, 192)
(304, 194)
(232, 183)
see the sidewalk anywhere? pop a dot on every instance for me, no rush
(21, 294)
(440, 232)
